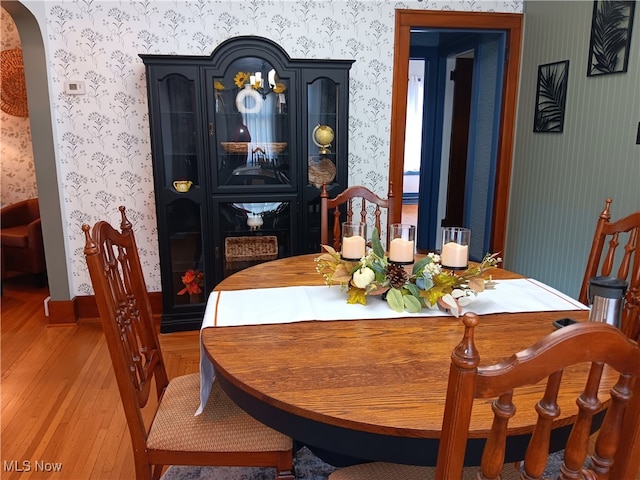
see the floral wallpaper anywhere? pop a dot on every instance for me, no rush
(17, 169)
(102, 137)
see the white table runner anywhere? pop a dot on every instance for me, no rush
(293, 304)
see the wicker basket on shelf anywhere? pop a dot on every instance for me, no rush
(251, 249)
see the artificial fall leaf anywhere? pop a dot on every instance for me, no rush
(448, 303)
(341, 274)
(357, 295)
(433, 294)
(373, 290)
(329, 249)
(411, 304)
(444, 280)
(394, 299)
(476, 284)
(464, 301)
(327, 257)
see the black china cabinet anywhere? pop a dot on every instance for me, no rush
(241, 142)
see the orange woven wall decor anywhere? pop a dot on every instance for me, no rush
(13, 90)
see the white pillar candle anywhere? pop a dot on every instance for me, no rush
(401, 250)
(454, 255)
(353, 247)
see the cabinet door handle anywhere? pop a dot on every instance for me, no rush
(211, 129)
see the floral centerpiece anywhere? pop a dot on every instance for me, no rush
(192, 280)
(410, 288)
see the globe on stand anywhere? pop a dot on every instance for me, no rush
(323, 136)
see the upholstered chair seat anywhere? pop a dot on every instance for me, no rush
(222, 427)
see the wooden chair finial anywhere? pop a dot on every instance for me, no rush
(465, 355)
(125, 224)
(90, 247)
(606, 213)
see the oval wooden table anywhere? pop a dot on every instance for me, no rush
(371, 389)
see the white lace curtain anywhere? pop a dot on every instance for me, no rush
(413, 138)
(261, 126)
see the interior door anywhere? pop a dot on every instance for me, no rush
(457, 172)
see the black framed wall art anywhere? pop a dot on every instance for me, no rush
(551, 97)
(611, 26)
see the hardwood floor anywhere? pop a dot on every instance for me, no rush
(60, 402)
(410, 214)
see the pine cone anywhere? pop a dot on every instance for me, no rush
(397, 275)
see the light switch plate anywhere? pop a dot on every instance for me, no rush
(74, 87)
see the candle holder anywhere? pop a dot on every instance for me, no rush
(401, 238)
(353, 241)
(455, 248)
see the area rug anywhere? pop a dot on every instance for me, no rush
(306, 464)
(307, 467)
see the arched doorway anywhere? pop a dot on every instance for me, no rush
(35, 68)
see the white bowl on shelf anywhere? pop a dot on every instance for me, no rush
(258, 208)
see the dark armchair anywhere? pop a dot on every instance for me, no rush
(21, 235)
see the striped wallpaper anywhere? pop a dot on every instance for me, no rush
(560, 180)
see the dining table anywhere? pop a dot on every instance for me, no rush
(364, 381)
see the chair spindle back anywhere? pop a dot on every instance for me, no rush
(356, 200)
(612, 235)
(545, 360)
(123, 303)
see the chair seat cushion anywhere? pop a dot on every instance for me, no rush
(222, 427)
(15, 236)
(394, 471)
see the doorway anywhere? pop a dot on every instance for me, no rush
(35, 68)
(496, 200)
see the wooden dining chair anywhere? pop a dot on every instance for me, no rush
(223, 434)
(347, 198)
(594, 343)
(612, 235)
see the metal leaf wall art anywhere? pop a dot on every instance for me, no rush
(610, 37)
(551, 97)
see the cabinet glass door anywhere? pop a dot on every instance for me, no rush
(185, 251)
(178, 126)
(322, 118)
(251, 126)
(253, 232)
